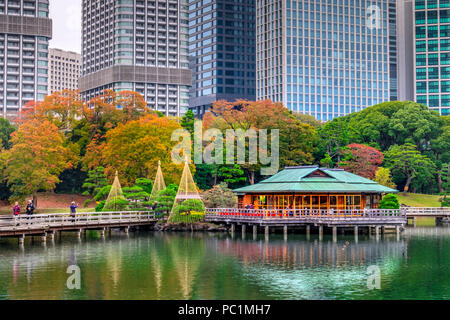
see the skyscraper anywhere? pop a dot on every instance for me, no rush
(326, 58)
(25, 31)
(64, 70)
(222, 44)
(432, 52)
(140, 46)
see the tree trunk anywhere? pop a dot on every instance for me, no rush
(251, 177)
(440, 183)
(35, 203)
(408, 182)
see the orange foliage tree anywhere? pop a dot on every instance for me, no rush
(297, 139)
(36, 158)
(362, 160)
(134, 149)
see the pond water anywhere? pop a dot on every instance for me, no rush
(217, 266)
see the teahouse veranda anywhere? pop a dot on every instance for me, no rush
(313, 188)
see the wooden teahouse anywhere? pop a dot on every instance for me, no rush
(313, 188)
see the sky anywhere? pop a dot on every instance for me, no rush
(66, 16)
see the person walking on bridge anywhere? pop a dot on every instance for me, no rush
(73, 210)
(30, 210)
(16, 212)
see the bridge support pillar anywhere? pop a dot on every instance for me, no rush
(397, 231)
(308, 232)
(285, 232)
(22, 239)
(266, 232)
(255, 232)
(44, 238)
(79, 232)
(102, 232)
(127, 230)
(377, 232)
(320, 233)
(356, 231)
(415, 222)
(244, 231)
(52, 236)
(233, 228)
(334, 234)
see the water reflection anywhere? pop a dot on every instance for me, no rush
(206, 266)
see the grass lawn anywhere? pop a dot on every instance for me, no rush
(419, 200)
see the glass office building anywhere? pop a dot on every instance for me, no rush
(432, 51)
(222, 51)
(326, 58)
(137, 45)
(25, 32)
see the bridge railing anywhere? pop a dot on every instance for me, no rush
(413, 211)
(263, 214)
(55, 219)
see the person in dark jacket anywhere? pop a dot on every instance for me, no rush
(73, 210)
(30, 210)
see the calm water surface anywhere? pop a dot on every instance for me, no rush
(208, 266)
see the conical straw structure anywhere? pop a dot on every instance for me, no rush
(187, 190)
(158, 184)
(116, 200)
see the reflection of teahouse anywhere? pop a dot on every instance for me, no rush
(313, 188)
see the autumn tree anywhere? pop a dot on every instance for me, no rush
(383, 177)
(36, 159)
(220, 196)
(409, 162)
(135, 148)
(362, 160)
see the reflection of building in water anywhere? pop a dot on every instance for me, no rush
(312, 254)
(428, 231)
(313, 270)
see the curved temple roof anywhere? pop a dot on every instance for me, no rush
(313, 179)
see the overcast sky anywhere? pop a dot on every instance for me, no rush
(66, 16)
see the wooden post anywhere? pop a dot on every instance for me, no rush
(266, 232)
(285, 232)
(320, 233)
(397, 230)
(356, 234)
(334, 234)
(377, 232)
(244, 230)
(79, 233)
(233, 228)
(44, 238)
(127, 230)
(52, 236)
(21, 239)
(308, 232)
(255, 232)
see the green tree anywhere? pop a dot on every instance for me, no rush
(408, 161)
(220, 196)
(383, 177)
(232, 175)
(138, 198)
(389, 201)
(191, 210)
(165, 200)
(145, 183)
(95, 181)
(6, 129)
(445, 176)
(187, 122)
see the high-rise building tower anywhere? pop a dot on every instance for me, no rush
(64, 70)
(222, 49)
(25, 31)
(432, 52)
(140, 46)
(326, 58)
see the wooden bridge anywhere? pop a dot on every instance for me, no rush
(427, 212)
(376, 219)
(48, 224)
